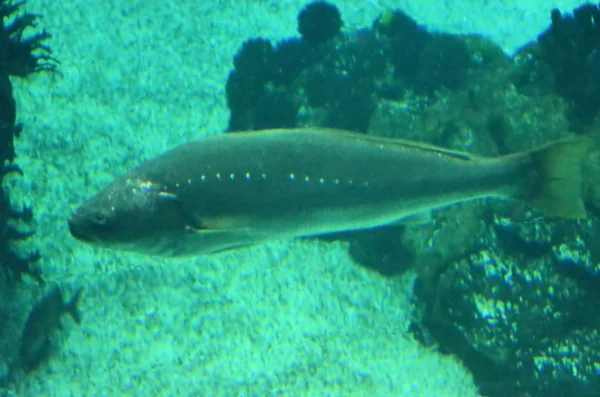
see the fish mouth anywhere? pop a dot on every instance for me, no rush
(77, 231)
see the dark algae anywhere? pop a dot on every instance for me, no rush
(19, 57)
(570, 48)
(23, 52)
(319, 22)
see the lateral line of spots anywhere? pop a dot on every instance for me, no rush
(291, 177)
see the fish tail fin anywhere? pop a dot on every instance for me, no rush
(554, 182)
(71, 307)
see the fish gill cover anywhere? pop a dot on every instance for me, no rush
(512, 293)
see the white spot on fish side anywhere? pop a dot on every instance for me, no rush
(145, 185)
(167, 195)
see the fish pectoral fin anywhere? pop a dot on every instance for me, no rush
(232, 238)
(221, 223)
(194, 229)
(203, 230)
(195, 224)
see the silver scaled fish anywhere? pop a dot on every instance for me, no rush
(233, 190)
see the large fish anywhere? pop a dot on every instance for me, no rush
(232, 190)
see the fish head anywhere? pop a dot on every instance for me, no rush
(131, 214)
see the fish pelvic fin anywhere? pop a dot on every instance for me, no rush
(71, 307)
(554, 183)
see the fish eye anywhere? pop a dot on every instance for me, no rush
(99, 218)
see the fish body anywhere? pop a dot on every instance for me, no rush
(232, 190)
(42, 322)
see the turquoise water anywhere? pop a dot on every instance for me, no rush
(300, 318)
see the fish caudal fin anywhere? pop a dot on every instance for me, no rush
(71, 307)
(555, 186)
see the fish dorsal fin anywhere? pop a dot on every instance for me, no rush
(371, 139)
(379, 140)
(418, 218)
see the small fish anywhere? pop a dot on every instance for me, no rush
(41, 324)
(232, 190)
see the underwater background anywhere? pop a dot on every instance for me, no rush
(488, 299)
